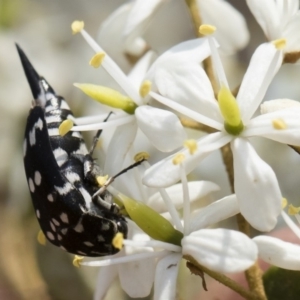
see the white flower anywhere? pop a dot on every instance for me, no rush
(221, 250)
(278, 252)
(136, 277)
(232, 37)
(161, 127)
(278, 104)
(142, 271)
(189, 88)
(126, 26)
(278, 19)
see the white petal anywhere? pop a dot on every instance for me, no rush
(118, 148)
(138, 72)
(290, 223)
(263, 126)
(135, 45)
(105, 278)
(188, 84)
(256, 187)
(234, 35)
(113, 69)
(199, 117)
(215, 212)
(166, 277)
(165, 173)
(113, 122)
(267, 16)
(137, 277)
(221, 250)
(110, 35)
(138, 19)
(190, 51)
(288, 9)
(197, 190)
(140, 14)
(277, 104)
(162, 127)
(278, 253)
(291, 33)
(263, 66)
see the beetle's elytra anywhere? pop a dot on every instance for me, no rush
(61, 176)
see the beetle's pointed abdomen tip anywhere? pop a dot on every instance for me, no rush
(38, 84)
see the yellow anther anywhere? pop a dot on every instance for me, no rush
(65, 127)
(191, 145)
(207, 29)
(293, 210)
(279, 124)
(102, 180)
(97, 59)
(141, 155)
(284, 203)
(77, 26)
(145, 88)
(178, 159)
(77, 261)
(41, 238)
(118, 241)
(279, 44)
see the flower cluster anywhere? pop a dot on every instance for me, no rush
(170, 217)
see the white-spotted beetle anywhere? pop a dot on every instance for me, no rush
(61, 175)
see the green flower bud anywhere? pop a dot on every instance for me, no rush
(108, 96)
(151, 222)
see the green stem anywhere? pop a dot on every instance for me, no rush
(196, 18)
(194, 11)
(196, 269)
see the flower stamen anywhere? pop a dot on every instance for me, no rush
(293, 210)
(279, 44)
(97, 59)
(102, 180)
(191, 145)
(141, 156)
(41, 238)
(284, 203)
(118, 241)
(186, 201)
(145, 88)
(279, 124)
(77, 261)
(65, 127)
(77, 26)
(207, 29)
(178, 159)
